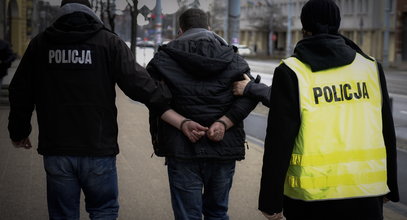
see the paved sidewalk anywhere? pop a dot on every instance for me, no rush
(144, 190)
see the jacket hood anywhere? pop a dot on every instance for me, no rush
(73, 23)
(324, 51)
(200, 52)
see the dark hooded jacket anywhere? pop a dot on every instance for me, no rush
(322, 51)
(68, 74)
(199, 69)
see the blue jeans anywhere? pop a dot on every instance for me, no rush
(200, 187)
(96, 176)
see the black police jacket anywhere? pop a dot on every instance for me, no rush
(199, 69)
(69, 73)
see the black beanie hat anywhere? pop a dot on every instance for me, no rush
(321, 17)
(83, 2)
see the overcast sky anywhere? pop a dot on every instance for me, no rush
(169, 6)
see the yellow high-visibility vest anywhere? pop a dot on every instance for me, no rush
(339, 151)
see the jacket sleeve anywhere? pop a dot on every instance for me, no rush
(242, 106)
(240, 109)
(389, 136)
(282, 129)
(258, 91)
(135, 81)
(21, 96)
(155, 74)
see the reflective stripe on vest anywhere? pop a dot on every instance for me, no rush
(339, 151)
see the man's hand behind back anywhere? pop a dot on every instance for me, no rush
(216, 131)
(25, 143)
(193, 130)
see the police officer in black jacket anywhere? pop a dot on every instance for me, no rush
(199, 69)
(68, 74)
(322, 52)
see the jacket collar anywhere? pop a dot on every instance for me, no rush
(324, 51)
(76, 7)
(196, 33)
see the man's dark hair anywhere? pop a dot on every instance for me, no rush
(193, 18)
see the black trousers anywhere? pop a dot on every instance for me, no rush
(370, 208)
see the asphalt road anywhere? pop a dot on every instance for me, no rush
(402, 174)
(396, 82)
(400, 118)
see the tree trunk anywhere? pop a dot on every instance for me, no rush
(102, 11)
(111, 14)
(134, 13)
(270, 50)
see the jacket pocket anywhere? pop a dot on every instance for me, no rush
(103, 165)
(58, 166)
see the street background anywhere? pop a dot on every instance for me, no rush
(143, 184)
(264, 31)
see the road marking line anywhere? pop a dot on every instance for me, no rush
(398, 96)
(403, 112)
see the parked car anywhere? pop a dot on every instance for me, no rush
(145, 43)
(243, 50)
(142, 44)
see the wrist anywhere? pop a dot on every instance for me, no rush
(183, 122)
(247, 87)
(222, 122)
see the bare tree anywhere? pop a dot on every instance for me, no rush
(94, 4)
(107, 11)
(134, 12)
(182, 2)
(195, 4)
(267, 17)
(132, 4)
(111, 13)
(217, 17)
(102, 10)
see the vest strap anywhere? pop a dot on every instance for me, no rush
(338, 157)
(333, 181)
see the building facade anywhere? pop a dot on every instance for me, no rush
(21, 20)
(264, 25)
(13, 22)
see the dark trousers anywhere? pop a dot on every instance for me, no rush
(370, 208)
(200, 187)
(96, 176)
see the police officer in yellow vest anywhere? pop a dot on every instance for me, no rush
(330, 150)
